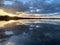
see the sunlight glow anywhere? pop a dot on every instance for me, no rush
(11, 15)
(2, 12)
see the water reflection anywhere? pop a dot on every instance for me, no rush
(30, 32)
(26, 21)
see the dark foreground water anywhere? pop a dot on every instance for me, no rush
(30, 32)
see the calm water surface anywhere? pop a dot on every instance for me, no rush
(30, 32)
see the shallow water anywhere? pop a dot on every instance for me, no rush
(30, 32)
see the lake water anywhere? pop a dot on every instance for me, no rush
(30, 32)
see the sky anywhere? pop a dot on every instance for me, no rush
(47, 6)
(8, 2)
(49, 1)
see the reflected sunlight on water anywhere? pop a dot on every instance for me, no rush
(3, 23)
(27, 21)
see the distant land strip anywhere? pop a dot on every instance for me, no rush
(7, 18)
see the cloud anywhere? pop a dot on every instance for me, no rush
(45, 6)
